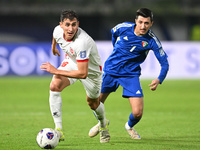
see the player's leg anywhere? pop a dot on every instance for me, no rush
(137, 111)
(109, 85)
(100, 105)
(93, 87)
(132, 90)
(95, 130)
(102, 99)
(99, 110)
(58, 83)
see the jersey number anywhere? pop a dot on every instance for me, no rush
(132, 49)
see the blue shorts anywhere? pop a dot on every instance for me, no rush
(131, 85)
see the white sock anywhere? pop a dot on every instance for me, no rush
(55, 102)
(100, 114)
(127, 126)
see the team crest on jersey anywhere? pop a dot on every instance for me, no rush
(144, 43)
(83, 54)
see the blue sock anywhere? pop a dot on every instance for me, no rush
(132, 121)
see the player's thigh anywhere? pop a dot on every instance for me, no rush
(58, 82)
(103, 97)
(92, 87)
(110, 84)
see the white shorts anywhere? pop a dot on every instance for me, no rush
(91, 85)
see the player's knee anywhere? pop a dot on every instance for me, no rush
(93, 104)
(54, 87)
(137, 114)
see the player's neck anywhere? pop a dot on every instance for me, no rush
(137, 34)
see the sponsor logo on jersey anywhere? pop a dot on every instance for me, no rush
(144, 43)
(83, 54)
(71, 50)
(126, 38)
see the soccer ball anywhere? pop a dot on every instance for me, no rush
(47, 138)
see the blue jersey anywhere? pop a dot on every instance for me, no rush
(131, 50)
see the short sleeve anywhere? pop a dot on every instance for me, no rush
(83, 51)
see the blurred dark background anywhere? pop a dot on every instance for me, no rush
(34, 20)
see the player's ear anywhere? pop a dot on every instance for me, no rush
(151, 23)
(60, 24)
(78, 23)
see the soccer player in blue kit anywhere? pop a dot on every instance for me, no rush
(131, 42)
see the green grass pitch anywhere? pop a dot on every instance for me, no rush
(171, 119)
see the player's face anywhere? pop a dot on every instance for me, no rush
(142, 25)
(70, 28)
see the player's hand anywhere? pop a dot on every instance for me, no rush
(48, 67)
(56, 52)
(154, 84)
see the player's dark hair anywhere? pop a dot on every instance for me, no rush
(144, 12)
(68, 14)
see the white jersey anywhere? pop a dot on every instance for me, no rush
(81, 48)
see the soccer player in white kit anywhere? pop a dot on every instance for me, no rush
(82, 62)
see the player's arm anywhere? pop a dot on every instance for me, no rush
(162, 59)
(55, 51)
(162, 75)
(81, 73)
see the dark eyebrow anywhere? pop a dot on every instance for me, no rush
(73, 23)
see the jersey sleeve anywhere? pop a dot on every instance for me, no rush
(118, 29)
(57, 32)
(83, 52)
(162, 59)
(115, 34)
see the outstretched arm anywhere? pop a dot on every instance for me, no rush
(81, 73)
